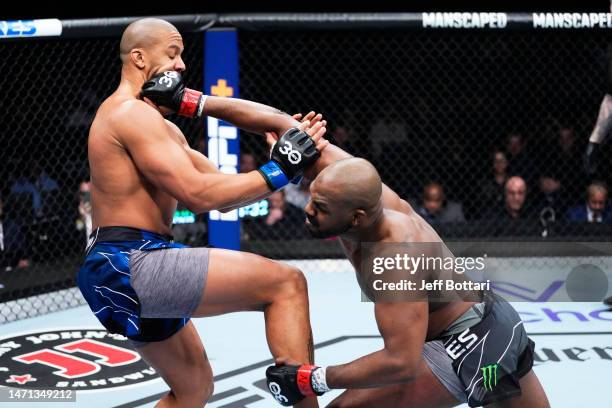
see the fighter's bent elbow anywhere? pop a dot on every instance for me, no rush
(200, 207)
(197, 205)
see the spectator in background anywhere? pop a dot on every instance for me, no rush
(514, 207)
(343, 131)
(492, 188)
(434, 207)
(284, 221)
(13, 244)
(281, 212)
(390, 132)
(564, 163)
(36, 184)
(298, 195)
(596, 209)
(83, 223)
(550, 201)
(248, 162)
(343, 137)
(519, 160)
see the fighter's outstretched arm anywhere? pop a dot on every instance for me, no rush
(167, 91)
(251, 116)
(403, 326)
(167, 164)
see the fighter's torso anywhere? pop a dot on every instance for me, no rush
(121, 196)
(411, 228)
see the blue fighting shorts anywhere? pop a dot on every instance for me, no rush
(105, 282)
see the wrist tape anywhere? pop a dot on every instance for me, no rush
(318, 380)
(192, 103)
(274, 175)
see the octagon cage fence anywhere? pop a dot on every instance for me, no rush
(447, 114)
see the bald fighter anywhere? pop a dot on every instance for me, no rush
(440, 349)
(136, 279)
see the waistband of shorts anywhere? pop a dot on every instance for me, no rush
(472, 316)
(119, 233)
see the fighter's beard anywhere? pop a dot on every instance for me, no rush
(329, 233)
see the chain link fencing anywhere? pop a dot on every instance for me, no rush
(50, 92)
(447, 117)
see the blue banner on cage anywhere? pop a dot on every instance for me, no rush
(221, 79)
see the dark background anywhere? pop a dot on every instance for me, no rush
(115, 8)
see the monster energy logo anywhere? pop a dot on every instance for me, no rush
(489, 376)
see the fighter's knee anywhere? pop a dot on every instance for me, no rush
(203, 389)
(293, 282)
(201, 380)
(207, 390)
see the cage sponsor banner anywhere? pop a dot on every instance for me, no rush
(483, 20)
(457, 20)
(30, 28)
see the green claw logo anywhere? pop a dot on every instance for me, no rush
(489, 376)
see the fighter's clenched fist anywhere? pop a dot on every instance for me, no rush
(289, 384)
(168, 90)
(294, 151)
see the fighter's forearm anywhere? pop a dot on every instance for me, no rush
(227, 191)
(604, 121)
(250, 116)
(242, 204)
(373, 370)
(329, 155)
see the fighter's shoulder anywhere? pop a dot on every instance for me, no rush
(405, 226)
(128, 120)
(398, 216)
(129, 112)
(176, 130)
(392, 201)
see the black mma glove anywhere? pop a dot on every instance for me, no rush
(293, 152)
(291, 384)
(168, 90)
(591, 158)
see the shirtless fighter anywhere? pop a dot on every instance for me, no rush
(136, 280)
(437, 352)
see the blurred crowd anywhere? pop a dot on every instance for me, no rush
(520, 190)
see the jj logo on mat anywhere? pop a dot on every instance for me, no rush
(74, 359)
